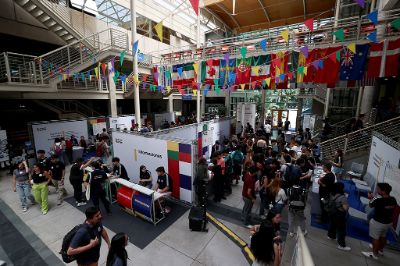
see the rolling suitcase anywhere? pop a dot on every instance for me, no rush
(196, 219)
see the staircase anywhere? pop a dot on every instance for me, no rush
(360, 139)
(56, 16)
(68, 109)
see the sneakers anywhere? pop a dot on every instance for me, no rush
(291, 234)
(305, 232)
(330, 238)
(344, 248)
(59, 203)
(44, 212)
(369, 255)
(81, 204)
(24, 209)
(380, 252)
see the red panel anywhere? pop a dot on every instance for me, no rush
(125, 197)
(185, 157)
(173, 171)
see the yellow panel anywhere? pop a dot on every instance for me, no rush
(172, 146)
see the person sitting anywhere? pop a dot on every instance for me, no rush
(119, 170)
(163, 185)
(145, 177)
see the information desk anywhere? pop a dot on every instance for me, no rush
(140, 200)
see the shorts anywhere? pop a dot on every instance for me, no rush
(377, 229)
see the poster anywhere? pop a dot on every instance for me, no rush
(45, 133)
(122, 122)
(384, 163)
(4, 157)
(248, 114)
(97, 125)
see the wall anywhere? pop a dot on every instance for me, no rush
(16, 21)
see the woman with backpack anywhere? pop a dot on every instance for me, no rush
(117, 255)
(337, 207)
(276, 194)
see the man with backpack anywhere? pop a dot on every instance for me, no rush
(297, 203)
(237, 160)
(291, 172)
(83, 242)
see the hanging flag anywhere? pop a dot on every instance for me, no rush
(82, 76)
(309, 23)
(279, 66)
(103, 68)
(207, 87)
(372, 36)
(226, 68)
(210, 71)
(391, 61)
(226, 57)
(194, 92)
(260, 67)
(243, 71)
(243, 51)
(353, 64)
(96, 72)
(195, 5)
(88, 75)
(373, 16)
(168, 89)
(339, 34)
(195, 67)
(159, 30)
(315, 64)
(285, 35)
(263, 45)
(268, 81)
(143, 85)
(352, 47)
(396, 23)
(112, 64)
(135, 47)
(232, 78)
(123, 78)
(328, 71)
(304, 51)
(121, 57)
(242, 86)
(183, 74)
(360, 3)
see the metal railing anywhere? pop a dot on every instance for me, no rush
(355, 28)
(360, 139)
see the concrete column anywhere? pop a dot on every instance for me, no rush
(360, 95)
(135, 66)
(198, 109)
(203, 104)
(262, 115)
(367, 100)
(227, 103)
(300, 102)
(112, 107)
(170, 104)
(337, 14)
(327, 100)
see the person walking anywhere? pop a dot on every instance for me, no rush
(86, 242)
(22, 186)
(382, 219)
(97, 193)
(117, 255)
(249, 195)
(76, 179)
(337, 217)
(57, 172)
(40, 187)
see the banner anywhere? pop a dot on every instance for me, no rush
(44, 134)
(122, 122)
(246, 113)
(159, 119)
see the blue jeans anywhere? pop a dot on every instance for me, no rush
(24, 192)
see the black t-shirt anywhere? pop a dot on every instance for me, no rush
(163, 182)
(384, 208)
(82, 238)
(76, 173)
(56, 170)
(287, 123)
(328, 180)
(45, 162)
(38, 178)
(97, 178)
(120, 171)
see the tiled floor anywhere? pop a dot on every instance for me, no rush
(177, 245)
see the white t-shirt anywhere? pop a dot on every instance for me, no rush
(280, 197)
(268, 128)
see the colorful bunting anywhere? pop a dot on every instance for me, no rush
(373, 16)
(159, 30)
(304, 51)
(226, 57)
(372, 36)
(309, 24)
(122, 56)
(195, 5)
(135, 47)
(263, 45)
(315, 64)
(300, 70)
(352, 47)
(305, 70)
(360, 3)
(96, 72)
(206, 89)
(168, 89)
(195, 68)
(321, 64)
(180, 71)
(396, 24)
(242, 86)
(339, 34)
(282, 77)
(243, 51)
(194, 92)
(103, 68)
(285, 35)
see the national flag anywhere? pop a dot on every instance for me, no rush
(225, 70)
(329, 71)
(188, 75)
(392, 58)
(353, 65)
(210, 71)
(260, 67)
(243, 71)
(279, 65)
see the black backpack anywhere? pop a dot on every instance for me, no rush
(67, 242)
(292, 174)
(331, 205)
(297, 198)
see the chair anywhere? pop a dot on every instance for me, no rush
(356, 170)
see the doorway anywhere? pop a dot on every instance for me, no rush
(279, 115)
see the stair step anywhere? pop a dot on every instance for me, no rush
(50, 23)
(29, 7)
(22, 2)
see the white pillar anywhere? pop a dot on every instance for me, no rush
(198, 110)
(135, 65)
(170, 103)
(367, 99)
(337, 13)
(112, 93)
(327, 99)
(360, 95)
(262, 115)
